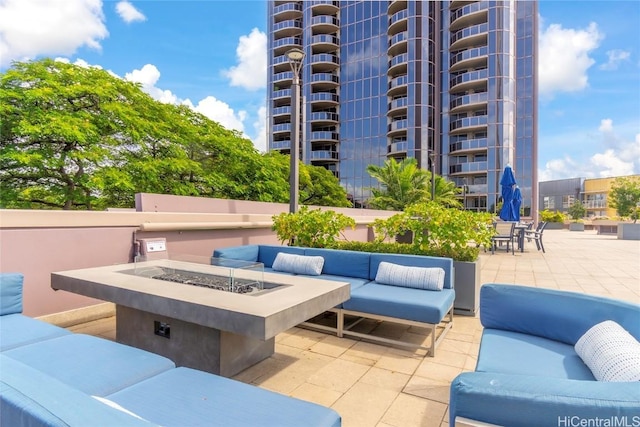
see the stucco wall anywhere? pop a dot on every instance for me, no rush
(37, 243)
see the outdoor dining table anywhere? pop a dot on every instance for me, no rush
(520, 228)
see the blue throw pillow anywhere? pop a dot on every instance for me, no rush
(428, 278)
(298, 264)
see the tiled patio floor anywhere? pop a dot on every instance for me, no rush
(375, 385)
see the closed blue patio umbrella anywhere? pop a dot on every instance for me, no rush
(517, 201)
(507, 182)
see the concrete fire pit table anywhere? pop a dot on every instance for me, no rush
(200, 327)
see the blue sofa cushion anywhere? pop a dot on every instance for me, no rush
(524, 401)
(29, 397)
(610, 352)
(427, 278)
(244, 253)
(402, 303)
(298, 264)
(510, 352)
(559, 315)
(343, 263)
(415, 261)
(17, 330)
(10, 293)
(93, 365)
(185, 397)
(268, 253)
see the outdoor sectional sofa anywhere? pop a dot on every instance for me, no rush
(406, 303)
(52, 377)
(530, 374)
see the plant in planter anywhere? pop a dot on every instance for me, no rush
(311, 228)
(554, 219)
(625, 198)
(577, 211)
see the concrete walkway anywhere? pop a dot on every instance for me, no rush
(375, 385)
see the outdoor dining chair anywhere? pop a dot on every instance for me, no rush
(505, 234)
(536, 235)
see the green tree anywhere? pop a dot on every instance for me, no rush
(446, 193)
(624, 196)
(577, 210)
(404, 184)
(318, 186)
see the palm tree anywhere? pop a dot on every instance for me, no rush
(446, 193)
(404, 184)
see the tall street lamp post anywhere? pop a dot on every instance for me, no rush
(295, 57)
(432, 157)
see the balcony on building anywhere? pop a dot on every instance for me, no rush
(288, 28)
(469, 59)
(282, 128)
(281, 97)
(324, 156)
(467, 168)
(471, 102)
(283, 45)
(325, 43)
(280, 64)
(398, 86)
(324, 136)
(279, 112)
(455, 4)
(475, 35)
(287, 11)
(398, 43)
(469, 146)
(468, 124)
(324, 62)
(324, 81)
(324, 118)
(398, 22)
(397, 106)
(323, 100)
(324, 24)
(398, 65)
(476, 80)
(281, 145)
(396, 6)
(471, 14)
(397, 149)
(325, 7)
(285, 78)
(397, 128)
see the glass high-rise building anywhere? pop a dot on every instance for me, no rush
(450, 83)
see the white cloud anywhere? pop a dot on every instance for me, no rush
(618, 156)
(616, 56)
(251, 71)
(129, 13)
(148, 76)
(260, 126)
(42, 27)
(564, 57)
(220, 112)
(606, 125)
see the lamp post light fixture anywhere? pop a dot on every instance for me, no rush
(432, 157)
(295, 57)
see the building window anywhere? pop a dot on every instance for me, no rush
(568, 201)
(549, 202)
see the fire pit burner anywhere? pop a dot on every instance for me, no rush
(206, 280)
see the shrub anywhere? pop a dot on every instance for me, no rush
(577, 210)
(311, 228)
(437, 231)
(548, 216)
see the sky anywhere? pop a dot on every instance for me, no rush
(212, 56)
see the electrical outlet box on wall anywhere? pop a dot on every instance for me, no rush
(153, 248)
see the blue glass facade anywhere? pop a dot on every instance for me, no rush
(449, 82)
